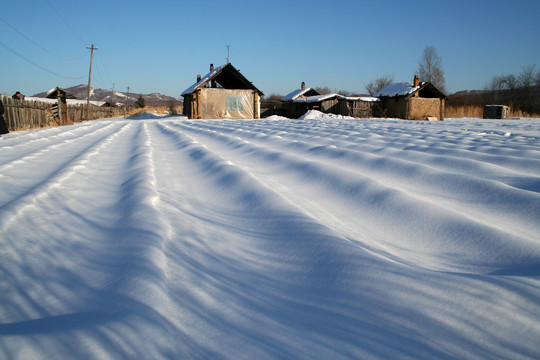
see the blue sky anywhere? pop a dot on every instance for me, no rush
(161, 46)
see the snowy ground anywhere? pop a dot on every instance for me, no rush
(291, 239)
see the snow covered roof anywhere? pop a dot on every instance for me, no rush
(204, 80)
(397, 89)
(316, 98)
(360, 98)
(406, 89)
(293, 95)
(52, 93)
(227, 76)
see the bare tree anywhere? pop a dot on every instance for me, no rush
(323, 90)
(520, 92)
(430, 68)
(378, 84)
(527, 77)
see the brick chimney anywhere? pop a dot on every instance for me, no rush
(303, 86)
(416, 83)
(213, 82)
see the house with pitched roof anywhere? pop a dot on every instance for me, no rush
(412, 101)
(223, 93)
(299, 101)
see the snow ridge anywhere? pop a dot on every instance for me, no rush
(326, 237)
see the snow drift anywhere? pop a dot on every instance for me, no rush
(310, 239)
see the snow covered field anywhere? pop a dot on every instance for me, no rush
(291, 239)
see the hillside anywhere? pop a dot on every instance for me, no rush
(97, 94)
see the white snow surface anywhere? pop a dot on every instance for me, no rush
(321, 238)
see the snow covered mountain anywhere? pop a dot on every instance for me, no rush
(97, 94)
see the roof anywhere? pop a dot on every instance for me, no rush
(360, 98)
(227, 76)
(397, 89)
(405, 89)
(316, 98)
(51, 94)
(299, 93)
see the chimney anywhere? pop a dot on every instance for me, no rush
(416, 81)
(198, 77)
(213, 82)
(303, 86)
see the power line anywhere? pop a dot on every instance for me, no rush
(37, 65)
(65, 23)
(102, 63)
(38, 45)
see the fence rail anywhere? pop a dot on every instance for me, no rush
(31, 114)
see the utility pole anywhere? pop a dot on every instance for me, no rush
(89, 80)
(112, 94)
(126, 106)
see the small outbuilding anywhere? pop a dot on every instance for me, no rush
(59, 110)
(496, 112)
(293, 105)
(416, 101)
(358, 106)
(327, 103)
(223, 93)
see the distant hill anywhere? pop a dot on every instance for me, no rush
(96, 94)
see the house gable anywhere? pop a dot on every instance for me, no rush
(225, 77)
(222, 93)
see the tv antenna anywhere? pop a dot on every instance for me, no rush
(228, 58)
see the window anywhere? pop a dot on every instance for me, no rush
(234, 103)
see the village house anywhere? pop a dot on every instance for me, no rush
(416, 101)
(299, 101)
(292, 104)
(223, 93)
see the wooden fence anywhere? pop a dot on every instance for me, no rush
(32, 114)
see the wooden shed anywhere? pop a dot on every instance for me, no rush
(223, 93)
(327, 103)
(416, 101)
(496, 112)
(358, 106)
